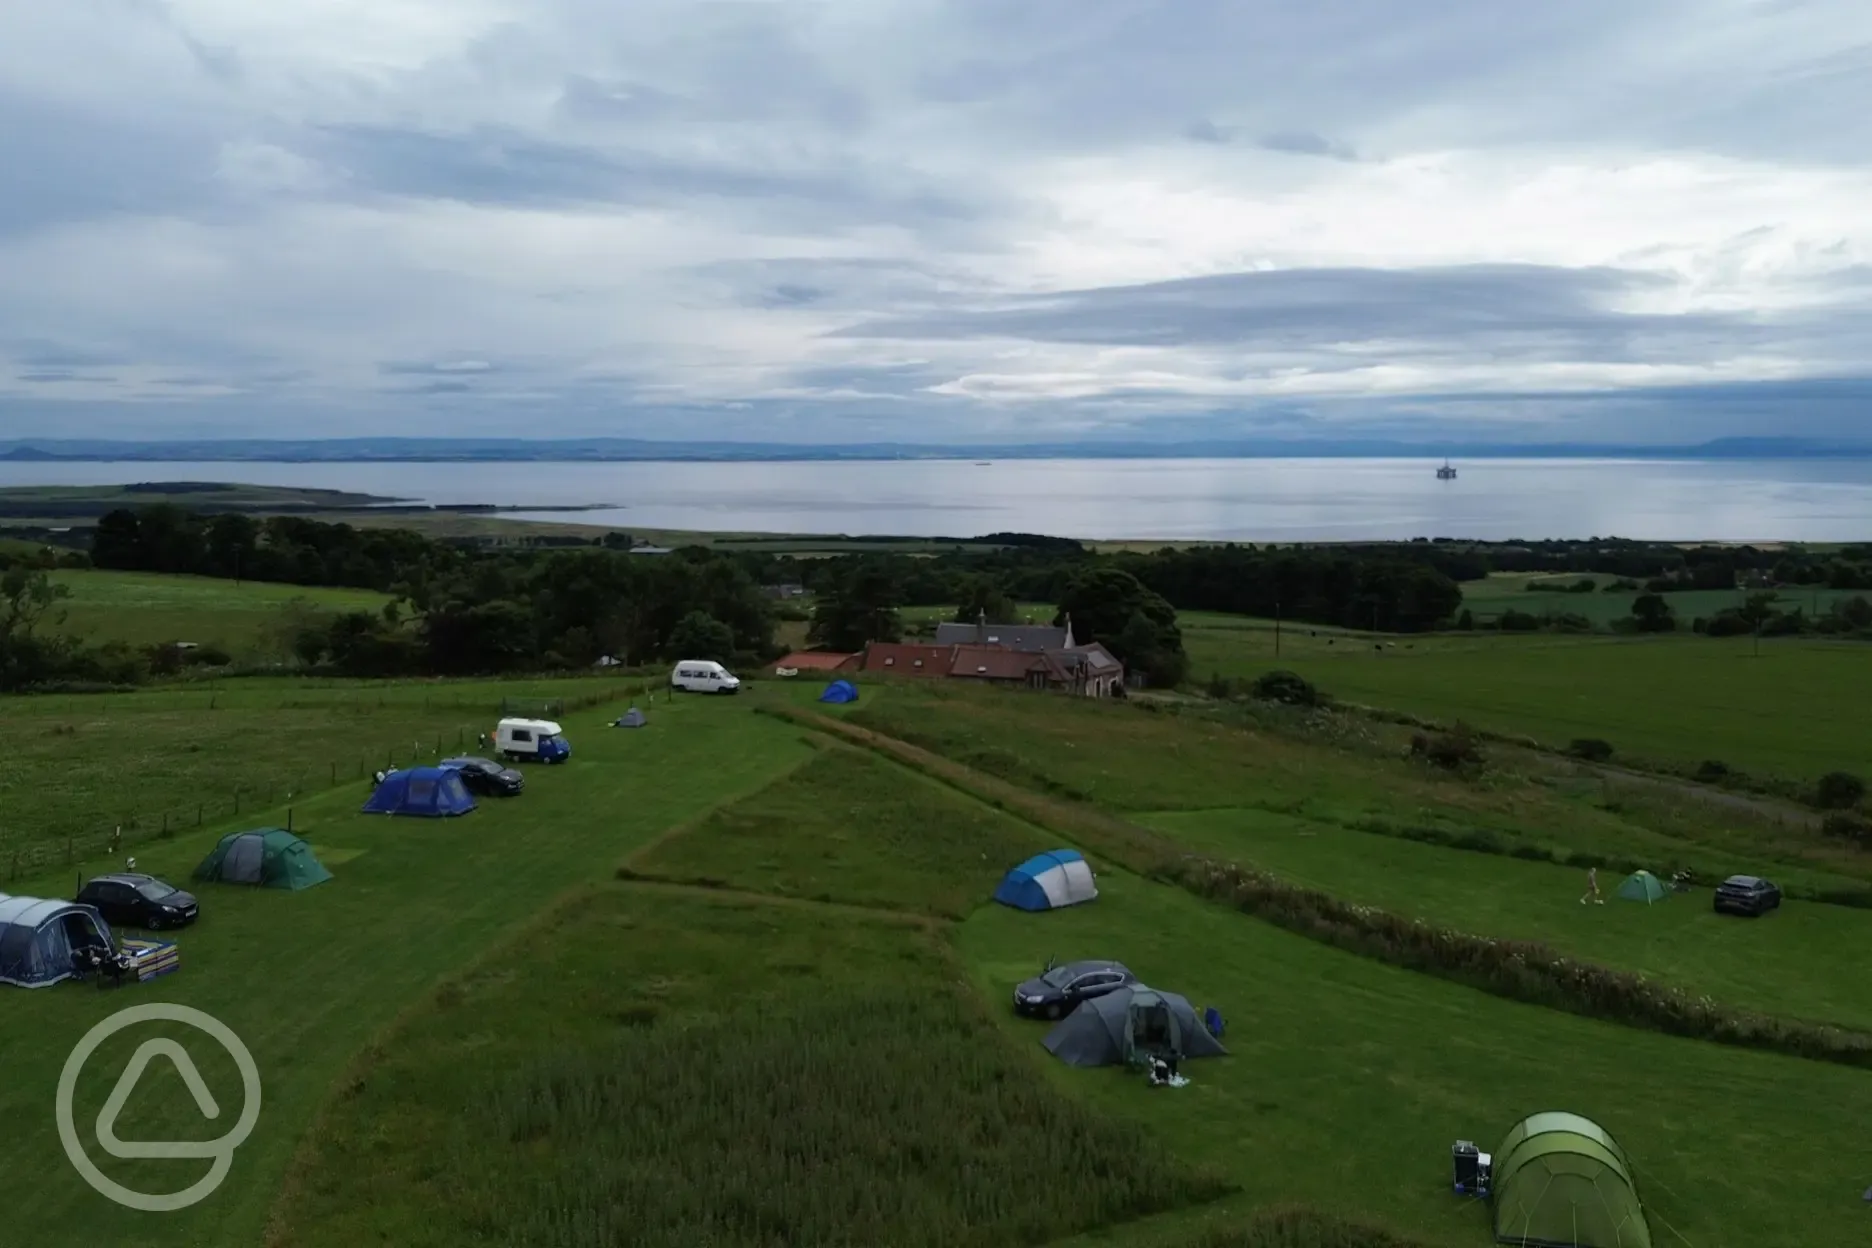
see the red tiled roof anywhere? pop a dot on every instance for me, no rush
(817, 660)
(906, 659)
(993, 663)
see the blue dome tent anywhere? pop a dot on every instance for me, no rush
(840, 691)
(41, 940)
(1060, 877)
(427, 792)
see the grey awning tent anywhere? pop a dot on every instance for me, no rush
(41, 940)
(632, 718)
(1119, 1026)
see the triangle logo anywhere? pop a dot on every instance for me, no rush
(120, 1095)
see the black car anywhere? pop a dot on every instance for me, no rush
(486, 777)
(1747, 895)
(1058, 990)
(129, 900)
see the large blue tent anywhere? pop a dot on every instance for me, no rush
(427, 792)
(840, 691)
(40, 941)
(1060, 877)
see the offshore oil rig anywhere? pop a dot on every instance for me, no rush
(1446, 473)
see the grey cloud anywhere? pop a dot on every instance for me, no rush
(53, 375)
(1208, 132)
(1530, 311)
(1306, 143)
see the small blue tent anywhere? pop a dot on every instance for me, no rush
(40, 941)
(840, 691)
(1048, 881)
(427, 792)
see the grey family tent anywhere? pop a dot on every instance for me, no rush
(1129, 1024)
(41, 941)
(1562, 1182)
(1642, 886)
(267, 857)
(840, 691)
(1059, 877)
(425, 792)
(632, 718)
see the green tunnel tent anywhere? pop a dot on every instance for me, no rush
(1642, 886)
(267, 857)
(1562, 1182)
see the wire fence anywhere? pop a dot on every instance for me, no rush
(141, 827)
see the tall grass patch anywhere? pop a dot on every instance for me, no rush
(667, 1067)
(849, 827)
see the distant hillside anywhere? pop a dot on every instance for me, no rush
(438, 450)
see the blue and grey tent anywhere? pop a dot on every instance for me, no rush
(1048, 881)
(632, 718)
(427, 792)
(840, 691)
(40, 941)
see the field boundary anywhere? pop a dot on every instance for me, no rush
(1525, 971)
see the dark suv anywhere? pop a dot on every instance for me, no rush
(127, 900)
(1747, 895)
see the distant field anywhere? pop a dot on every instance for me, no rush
(147, 608)
(1510, 591)
(1796, 711)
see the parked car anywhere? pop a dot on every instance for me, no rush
(1058, 990)
(130, 900)
(485, 776)
(1747, 895)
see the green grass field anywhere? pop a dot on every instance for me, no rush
(1541, 595)
(83, 765)
(1679, 940)
(1346, 1083)
(1794, 711)
(150, 608)
(309, 979)
(787, 1021)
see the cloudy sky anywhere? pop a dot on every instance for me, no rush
(930, 220)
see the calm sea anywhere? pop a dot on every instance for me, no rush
(1193, 499)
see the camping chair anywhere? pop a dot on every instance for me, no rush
(1212, 1022)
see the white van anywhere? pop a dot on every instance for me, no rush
(539, 739)
(703, 676)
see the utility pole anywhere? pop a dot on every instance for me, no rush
(1277, 623)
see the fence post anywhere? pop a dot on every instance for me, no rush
(68, 849)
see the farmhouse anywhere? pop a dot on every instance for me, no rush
(1089, 671)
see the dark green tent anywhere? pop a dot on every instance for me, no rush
(1643, 886)
(268, 857)
(1562, 1182)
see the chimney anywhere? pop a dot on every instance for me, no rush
(1069, 636)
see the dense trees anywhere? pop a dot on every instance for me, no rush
(1110, 606)
(858, 603)
(1388, 592)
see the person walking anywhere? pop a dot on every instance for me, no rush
(1592, 888)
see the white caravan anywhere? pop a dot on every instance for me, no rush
(539, 739)
(703, 676)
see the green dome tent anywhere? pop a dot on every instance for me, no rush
(268, 857)
(1562, 1182)
(1642, 886)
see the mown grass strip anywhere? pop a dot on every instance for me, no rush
(1525, 971)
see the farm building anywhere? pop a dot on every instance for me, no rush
(815, 661)
(1089, 671)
